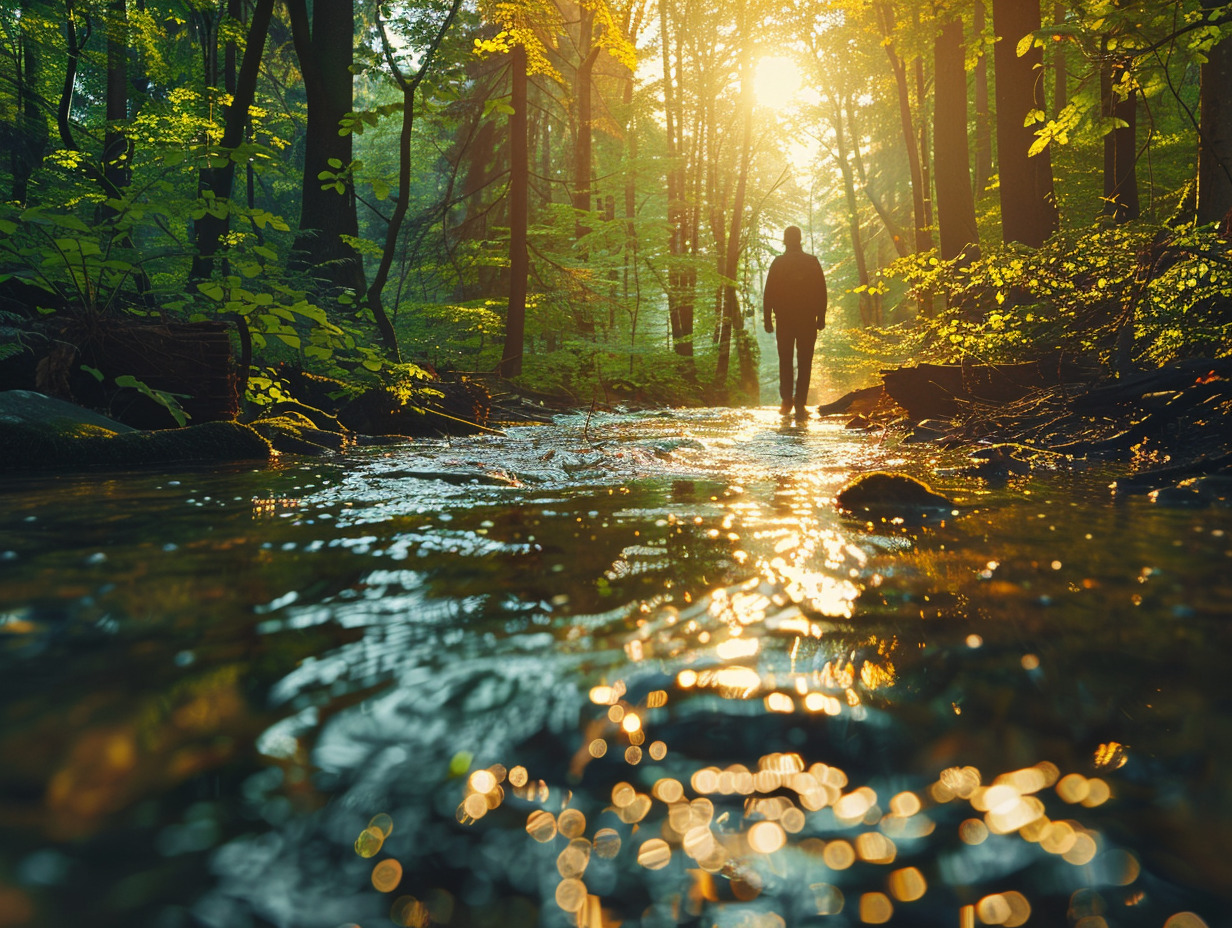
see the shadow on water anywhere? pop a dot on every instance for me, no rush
(626, 670)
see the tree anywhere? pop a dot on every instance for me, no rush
(919, 194)
(26, 136)
(1119, 98)
(955, 203)
(218, 179)
(1028, 203)
(983, 120)
(1215, 125)
(519, 181)
(117, 150)
(326, 51)
(408, 86)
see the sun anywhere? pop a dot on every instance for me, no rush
(776, 80)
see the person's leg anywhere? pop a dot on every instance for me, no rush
(805, 341)
(786, 342)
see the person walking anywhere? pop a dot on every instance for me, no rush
(795, 298)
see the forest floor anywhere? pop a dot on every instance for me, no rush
(1170, 428)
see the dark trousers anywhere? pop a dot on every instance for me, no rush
(795, 345)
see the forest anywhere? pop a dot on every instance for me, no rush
(584, 197)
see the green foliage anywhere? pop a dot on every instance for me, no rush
(169, 401)
(1172, 288)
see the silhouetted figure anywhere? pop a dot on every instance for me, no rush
(795, 295)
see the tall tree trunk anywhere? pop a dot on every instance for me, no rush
(1028, 205)
(583, 152)
(1060, 65)
(898, 237)
(732, 321)
(326, 52)
(1215, 131)
(630, 251)
(408, 86)
(519, 194)
(921, 119)
(955, 203)
(218, 181)
(681, 325)
(923, 241)
(1120, 146)
(31, 126)
(117, 151)
(867, 316)
(983, 121)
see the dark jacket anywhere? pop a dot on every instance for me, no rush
(795, 291)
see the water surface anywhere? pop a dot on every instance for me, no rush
(623, 669)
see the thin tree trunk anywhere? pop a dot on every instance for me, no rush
(583, 152)
(630, 251)
(1120, 148)
(923, 241)
(220, 180)
(519, 195)
(731, 303)
(408, 86)
(921, 112)
(898, 237)
(853, 217)
(32, 132)
(682, 335)
(1060, 65)
(983, 121)
(1028, 205)
(117, 151)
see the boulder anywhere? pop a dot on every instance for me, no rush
(891, 495)
(39, 433)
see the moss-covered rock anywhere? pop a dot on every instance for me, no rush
(38, 433)
(292, 433)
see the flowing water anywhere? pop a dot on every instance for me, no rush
(632, 669)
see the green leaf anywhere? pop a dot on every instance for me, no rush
(211, 289)
(93, 372)
(372, 364)
(334, 163)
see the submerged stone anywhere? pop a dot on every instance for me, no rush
(890, 494)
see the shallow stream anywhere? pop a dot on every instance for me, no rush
(624, 669)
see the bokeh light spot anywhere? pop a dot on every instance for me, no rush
(369, 842)
(386, 876)
(655, 854)
(876, 908)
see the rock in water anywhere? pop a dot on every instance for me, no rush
(41, 434)
(886, 495)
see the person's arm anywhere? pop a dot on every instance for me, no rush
(768, 296)
(821, 309)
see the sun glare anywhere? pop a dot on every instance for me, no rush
(776, 81)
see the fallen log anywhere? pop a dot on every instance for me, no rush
(942, 391)
(856, 402)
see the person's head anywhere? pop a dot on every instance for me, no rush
(792, 237)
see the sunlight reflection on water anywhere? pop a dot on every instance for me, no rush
(637, 669)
